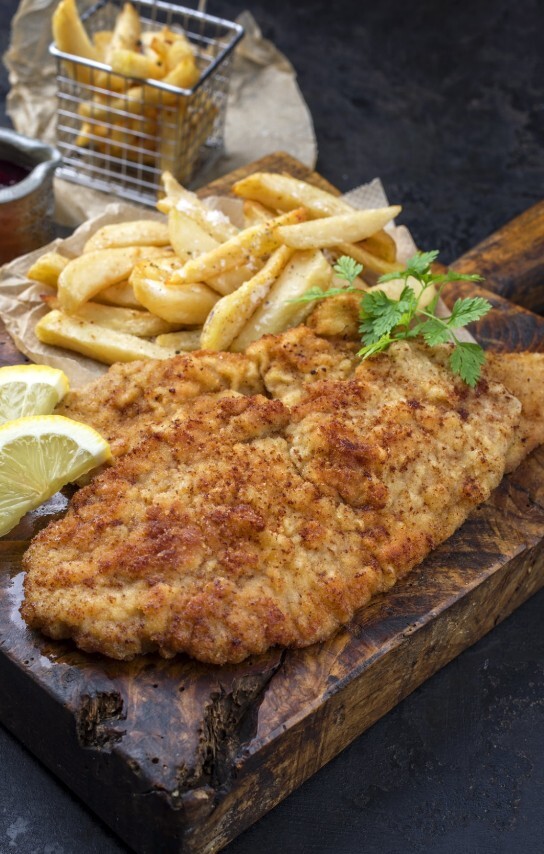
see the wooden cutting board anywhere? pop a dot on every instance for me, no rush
(177, 756)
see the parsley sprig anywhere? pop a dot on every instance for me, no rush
(384, 320)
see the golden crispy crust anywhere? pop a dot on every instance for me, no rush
(246, 521)
(134, 396)
(523, 374)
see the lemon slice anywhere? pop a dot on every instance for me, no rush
(30, 390)
(38, 456)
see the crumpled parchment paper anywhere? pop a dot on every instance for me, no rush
(264, 99)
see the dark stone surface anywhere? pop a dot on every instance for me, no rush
(445, 102)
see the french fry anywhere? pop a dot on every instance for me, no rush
(183, 76)
(94, 341)
(127, 31)
(304, 271)
(151, 42)
(125, 36)
(226, 283)
(48, 268)
(187, 236)
(83, 139)
(226, 320)
(285, 193)
(255, 213)
(184, 340)
(102, 40)
(367, 259)
(138, 232)
(86, 276)
(215, 223)
(185, 304)
(121, 295)
(333, 230)
(132, 64)
(178, 51)
(70, 37)
(143, 324)
(381, 244)
(255, 241)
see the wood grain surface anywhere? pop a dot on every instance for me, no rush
(178, 756)
(497, 259)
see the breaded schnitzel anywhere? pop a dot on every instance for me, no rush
(246, 521)
(138, 394)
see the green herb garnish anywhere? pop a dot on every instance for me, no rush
(385, 320)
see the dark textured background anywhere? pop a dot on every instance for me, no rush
(444, 101)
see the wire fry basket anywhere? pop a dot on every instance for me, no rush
(118, 134)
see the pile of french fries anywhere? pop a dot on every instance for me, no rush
(123, 116)
(149, 289)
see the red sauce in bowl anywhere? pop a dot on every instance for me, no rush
(11, 173)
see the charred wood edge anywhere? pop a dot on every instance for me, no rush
(230, 722)
(75, 740)
(512, 260)
(93, 717)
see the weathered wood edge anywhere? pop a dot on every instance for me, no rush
(427, 648)
(497, 260)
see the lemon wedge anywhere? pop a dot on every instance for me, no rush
(30, 390)
(38, 456)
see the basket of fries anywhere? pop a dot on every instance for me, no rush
(142, 88)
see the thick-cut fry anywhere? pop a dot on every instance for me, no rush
(184, 340)
(183, 76)
(226, 283)
(86, 276)
(94, 341)
(132, 64)
(214, 222)
(187, 237)
(255, 213)
(127, 31)
(285, 193)
(257, 240)
(381, 244)
(121, 295)
(202, 271)
(138, 232)
(48, 268)
(178, 51)
(102, 40)
(143, 324)
(186, 304)
(367, 259)
(70, 37)
(125, 36)
(332, 230)
(305, 270)
(226, 320)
